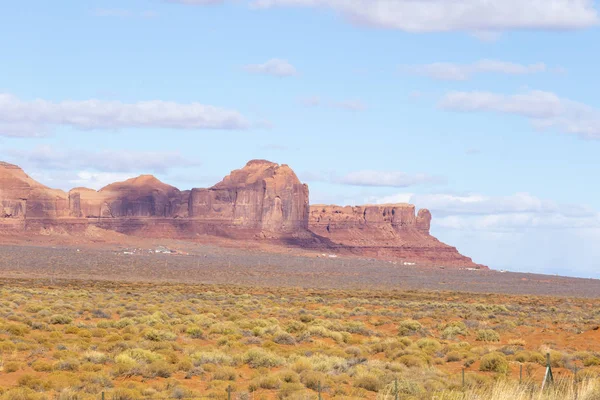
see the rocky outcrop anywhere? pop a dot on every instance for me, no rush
(22, 197)
(391, 231)
(262, 195)
(144, 196)
(260, 200)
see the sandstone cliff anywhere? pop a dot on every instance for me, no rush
(391, 231)
(260, 200)
(21, 196)
(262, 195)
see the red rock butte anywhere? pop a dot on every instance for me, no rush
(262, 201)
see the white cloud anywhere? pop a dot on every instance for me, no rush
(97, 180)
(33, 118)
(461, 72)
(114, 161)
(387, 179)
(545, 110)
(521, 211)
(275, 67)
(456, 15)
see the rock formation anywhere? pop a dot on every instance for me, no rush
(262, 195)
(260, 200)
(390, 231)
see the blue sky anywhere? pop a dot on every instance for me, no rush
(486, 112)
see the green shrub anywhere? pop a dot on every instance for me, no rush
(60, 319)
(409, 327)
(454, 329)
(195, 332)
(494, 362)
(429, 345)
(284, 338)
(159, 336)
(260, 358)
(487, 335)
(225, 374)
(453, 356)
(368, 382)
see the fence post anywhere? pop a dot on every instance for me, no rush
(548, 377)
(463, 379)
(102, 395)
(319, 388)
(396, 389)
(520, 374)
(229, 392)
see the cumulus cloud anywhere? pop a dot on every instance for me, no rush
(275, 67)
(97, 180)
(545, 110)
(387, 179)
(369, 178)
(33, 118)
(51, 158)
(517, 212)
(461, 72)
(457, 15)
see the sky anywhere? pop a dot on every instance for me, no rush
(486, 112)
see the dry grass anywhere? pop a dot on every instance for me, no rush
(73, 340)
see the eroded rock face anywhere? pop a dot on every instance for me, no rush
(21, 196)
(262, 195)
(144, 196)
(260, 200)
(385, 231)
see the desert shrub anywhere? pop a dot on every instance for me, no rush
(487, 335)
(368, 382)
(69, 364)
(494, 362)
(260, 358)
(11, 366)
(21, 394)
(291, 391)
(288, 376)
(453, 356)
(312, 379)
(591, 361)
(211, 357)
(95, 357)
(158, 368)
(454, 329)
(295, 327)
(124, 394)
(409, 327)
(195, 332)
(16, 329)
(225, 374)
(60, 319)
(412, 361)
(159, 336)
(284, 338)
(269, 382)
(32, 382)
(429, 345)
(41, 366)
